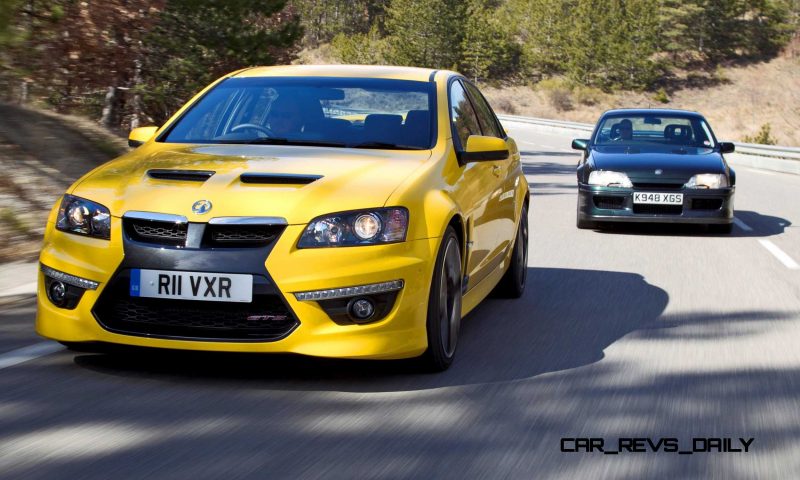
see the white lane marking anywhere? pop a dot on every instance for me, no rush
(742, 225)
(784, 258)
(24, 354)
(763, 172)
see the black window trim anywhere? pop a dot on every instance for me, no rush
(497, 123)
(456, 140)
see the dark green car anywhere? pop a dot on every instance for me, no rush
(661, 166)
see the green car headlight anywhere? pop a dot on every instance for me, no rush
(607, 178)
(363, 227)
(84, 217)
(708, 180)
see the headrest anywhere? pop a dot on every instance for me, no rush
(677, 131)
(382, 121)
(417, 117)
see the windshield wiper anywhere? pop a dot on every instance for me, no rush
(385, 146)
(286, 141)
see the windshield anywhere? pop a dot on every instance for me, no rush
(343, 112)
(654, 131)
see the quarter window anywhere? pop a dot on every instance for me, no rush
(462, 115)
(486, 117)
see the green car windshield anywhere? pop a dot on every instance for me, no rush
(318, 111)
(656, 132)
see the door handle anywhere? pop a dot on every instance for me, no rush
(496, 170)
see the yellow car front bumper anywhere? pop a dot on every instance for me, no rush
(400, 334)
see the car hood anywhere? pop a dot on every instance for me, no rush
(644, 164)
(324, 180)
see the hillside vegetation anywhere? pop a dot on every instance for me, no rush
(744, 101)
(133, 62)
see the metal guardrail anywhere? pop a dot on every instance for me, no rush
(548, 123)
(771, 151)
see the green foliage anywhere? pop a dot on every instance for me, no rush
(616, 49)
(157, 53)
(488, 49)
(587, 95)
(543, 28)
(9, 9)
(661, 96)
(720, 30)
(426, 33)
(763, 136)
(360, 48)
(196, 41)
(325, 20)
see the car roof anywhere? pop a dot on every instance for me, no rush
(357, 71)
(652, 111)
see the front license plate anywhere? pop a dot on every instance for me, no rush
(210, 287)
(658, 198)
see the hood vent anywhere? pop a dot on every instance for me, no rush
(278, 178)
(183, 175)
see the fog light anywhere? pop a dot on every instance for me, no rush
(360, 309)
(57, 293)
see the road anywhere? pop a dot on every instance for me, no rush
(638, 331)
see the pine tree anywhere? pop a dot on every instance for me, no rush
(322, 21)
(196, 41)
(543, 28)
(487, 49)
(425, 33)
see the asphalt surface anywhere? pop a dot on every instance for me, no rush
(639, 331)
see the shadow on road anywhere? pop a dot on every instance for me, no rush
(760, 225)
(179, 414)
(562, 322)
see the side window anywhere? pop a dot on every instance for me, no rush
(462, 115)
(486, 117)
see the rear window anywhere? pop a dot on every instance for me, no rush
(347, 112)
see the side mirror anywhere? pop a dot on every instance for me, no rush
(580, 144)
(726, 147)
(139, 136)
(484, 149)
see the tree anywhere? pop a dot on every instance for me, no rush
(360, 48)
(488, 48)
(614, 44)
(74, 52)
(322, 21)
(425, 33)
(543, 29)
(677, 19)
(196, 41)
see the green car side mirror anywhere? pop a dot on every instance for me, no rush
(580, 144)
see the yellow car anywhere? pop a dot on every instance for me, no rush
(334, 211)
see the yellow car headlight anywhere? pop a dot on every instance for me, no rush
(363, 227)
(84, 217)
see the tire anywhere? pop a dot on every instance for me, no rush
(512, 285)
(721, 228)
(444, 305)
